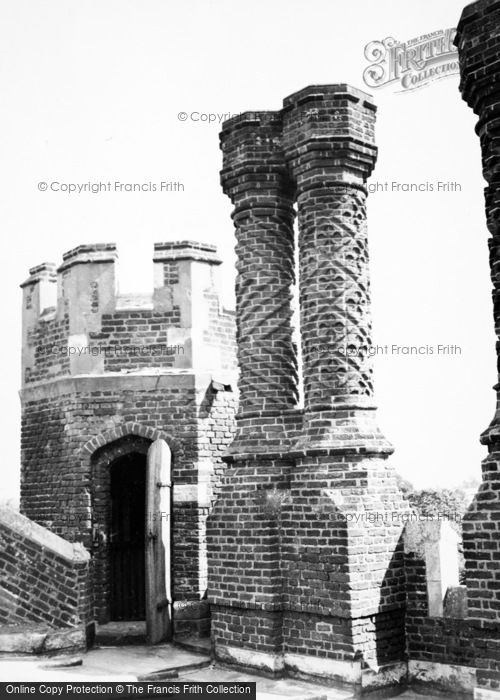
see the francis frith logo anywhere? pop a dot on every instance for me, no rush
(412, 64)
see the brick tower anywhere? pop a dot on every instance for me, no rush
(103, 376)
(305, 558)
(478, 42)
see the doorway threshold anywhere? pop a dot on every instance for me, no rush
(122, 633)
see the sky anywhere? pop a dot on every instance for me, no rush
(92, 92)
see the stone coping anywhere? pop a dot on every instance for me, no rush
(73, 552)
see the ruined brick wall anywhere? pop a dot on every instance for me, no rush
(43, 579)
(440, 639)
(102, 404)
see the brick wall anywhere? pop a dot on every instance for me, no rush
(48, 341)
(478, 43)
(65, 486)
(135, 339)
(43, 579)
(481, 532)
(436, 635)
(220, 332)
(453, 648)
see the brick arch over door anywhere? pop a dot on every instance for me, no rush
(125, 429)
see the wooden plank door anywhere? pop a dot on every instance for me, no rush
(158, 543)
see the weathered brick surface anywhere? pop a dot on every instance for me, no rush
(256, 629)
(361, 570)
(220, 331)
(125, 332)
(42, 581)
(46, 339)
(243, 534)
(478, 42)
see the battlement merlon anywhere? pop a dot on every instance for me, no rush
(84, 281)
(40, 290)
(89, 253)
(183, 272)
(186, 250)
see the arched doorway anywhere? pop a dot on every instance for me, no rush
(127, 537)
(115, 458)
(132, 534)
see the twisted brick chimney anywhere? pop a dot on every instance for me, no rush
(305, 560)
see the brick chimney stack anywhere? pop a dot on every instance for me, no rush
(478, 42)
(255, 177)
(299, 577)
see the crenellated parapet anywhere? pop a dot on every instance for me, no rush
(76, 322)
